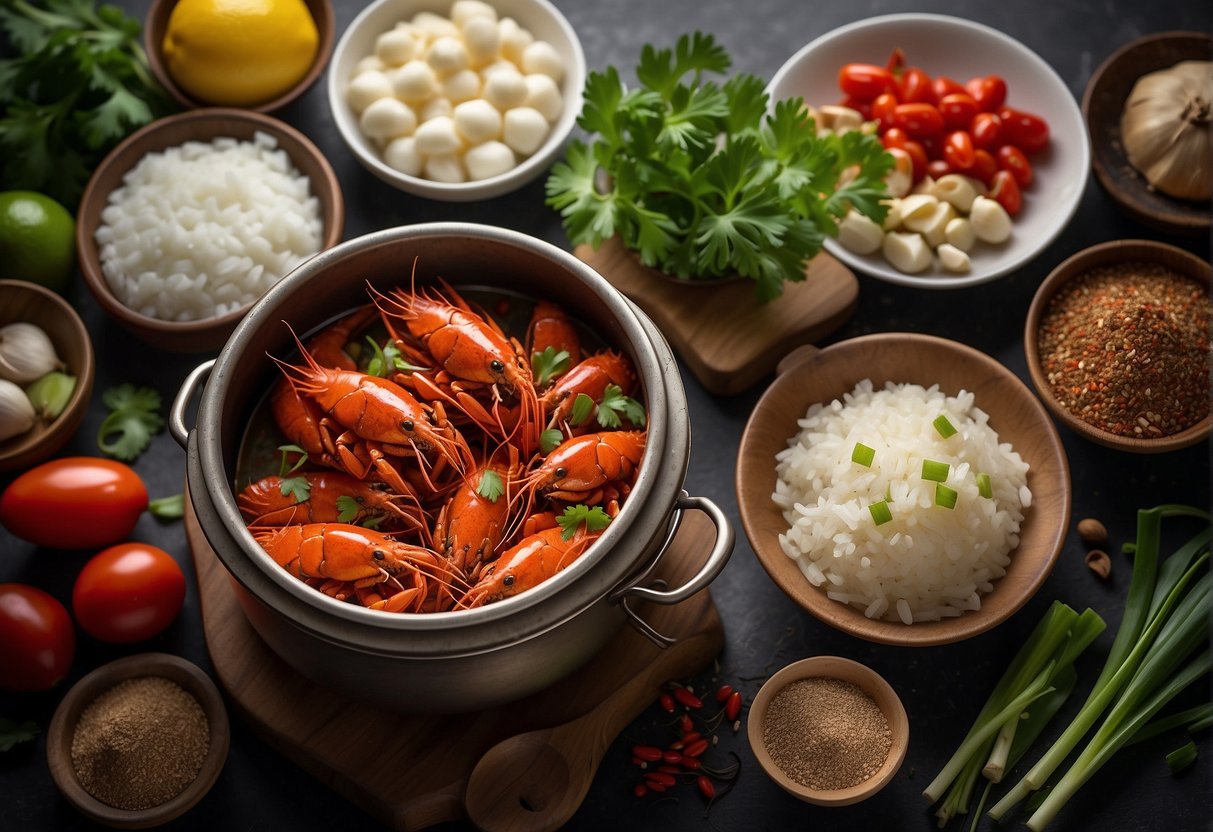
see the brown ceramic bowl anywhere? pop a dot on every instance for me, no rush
(867, 680)
(1102, 104)
(157, 24)
(204, 124)
(83, 693)
(1106, 254)
(22, 301)
(809, 376)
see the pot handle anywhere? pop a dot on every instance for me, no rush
(176, 414)
(711, 567)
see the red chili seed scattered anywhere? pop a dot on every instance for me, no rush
(724, 692)
(687, 698)
(706, 787)
(691, 763)
(671, 757)
(667, 703)
(661, 778)
(640, 790)
(732, 708)
(648, 753)
(685, 724)
(696, 748)
(736, 726)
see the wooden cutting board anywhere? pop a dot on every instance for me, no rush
(411, 771)
(727, 338)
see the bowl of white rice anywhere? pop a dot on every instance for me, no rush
(185, 224)
(903, 488)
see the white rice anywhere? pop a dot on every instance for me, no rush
(205, 228)
(928, 562)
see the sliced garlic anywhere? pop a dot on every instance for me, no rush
(859, 233)
(952, 258)
(930, 223)
(957, 190)
(908, 253)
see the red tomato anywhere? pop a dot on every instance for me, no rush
(882, 108)
(957, 109)
(989, 92)
(37, 642)
(78, 502)
(914, 85)
(943, 85)
(895, 137)
(129, 592)
(1004, 189)
(986, 130)
(1011, 158)
(984, 166)
(958, 151)
(1026, 131)
(897, 59)
(919, 120)
(937, 168)
(864, 81)
(864, 108)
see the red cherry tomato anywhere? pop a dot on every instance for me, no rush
(1026, 131)
(957, 109)
(864, 108)
(933, 146)
(897, 59)
(127, 593)
(986, 130)
(37, 641)
(893, 137)
(882, 108)
(896, 138)
(865, 81)
(943, 85)
(984, 166)
(989, 92)
(918, 119)
(1004, 189)
(77, 502)
(958, 151)
(914, 85)
(1011, 158)
(937, 168)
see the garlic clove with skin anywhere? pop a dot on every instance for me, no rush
(1166, 130)
(26, 353)
(16, 413)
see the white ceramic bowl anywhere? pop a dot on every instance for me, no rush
(960, 49)
(540, 17)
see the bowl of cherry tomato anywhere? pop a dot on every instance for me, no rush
(991, 155)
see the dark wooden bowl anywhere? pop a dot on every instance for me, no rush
(203, 125)
(809, 376)
(29, 302)
(1102, 103)
(1106, 254)
(63, 727)
(157, 24)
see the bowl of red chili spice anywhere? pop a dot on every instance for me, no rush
(139, 741)
(828, 730)
(1117, 342)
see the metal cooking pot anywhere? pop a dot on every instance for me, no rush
(466, 659)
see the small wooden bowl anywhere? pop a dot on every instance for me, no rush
(808, 376)
(1106, 254)
(867, 680)
(194, 125)
(157, 25)
(29, 302)
(63, 726)
(1102, 103)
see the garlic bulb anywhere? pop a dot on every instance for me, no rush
(16, 413)
(1165, 129)
(26, 353)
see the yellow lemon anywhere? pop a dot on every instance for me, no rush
(239, 52)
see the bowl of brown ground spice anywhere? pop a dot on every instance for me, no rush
(138, 741)
(828, 730)
(1117, 342)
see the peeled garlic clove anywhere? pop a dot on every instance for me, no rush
(16, 413)
(50, 394)
(26, 353)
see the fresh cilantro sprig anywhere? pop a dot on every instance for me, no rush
(550, 439)
(297, 487)
(77, 83)
(548, 364)
(386, 360)
(701, 180)
(491, 487)
(613, 403)
(594, 518)
(133, 419)
(12, 732)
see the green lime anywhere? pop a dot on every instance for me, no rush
(37, 239)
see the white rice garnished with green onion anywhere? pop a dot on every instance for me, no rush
(868, 528)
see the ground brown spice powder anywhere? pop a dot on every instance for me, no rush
(826, 733)
(140, 743)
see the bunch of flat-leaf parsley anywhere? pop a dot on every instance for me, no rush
(702, 180)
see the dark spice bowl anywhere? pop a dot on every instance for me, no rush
(1108, 254)
(867, 680)
(63, 727)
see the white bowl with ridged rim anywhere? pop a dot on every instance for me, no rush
(960, 49)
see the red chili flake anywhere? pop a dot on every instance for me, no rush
(687, 698)
(685, 724)
(732, 708)
(661, 778)
(640, 790)
(724, 692)
(648, 753)
(696, 748)
(706, 787)
(671, 757)
(667, 703)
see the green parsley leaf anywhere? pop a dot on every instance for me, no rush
(12, 732)
(491, 487)
(297, 487)
(613, 403)
(595, 519)
(372, 521)
(168, 508)
(548, 364)
(550, 439)
(386, 360)
(583, 408)
(134, 417)
(285, 466)
(348, 508)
